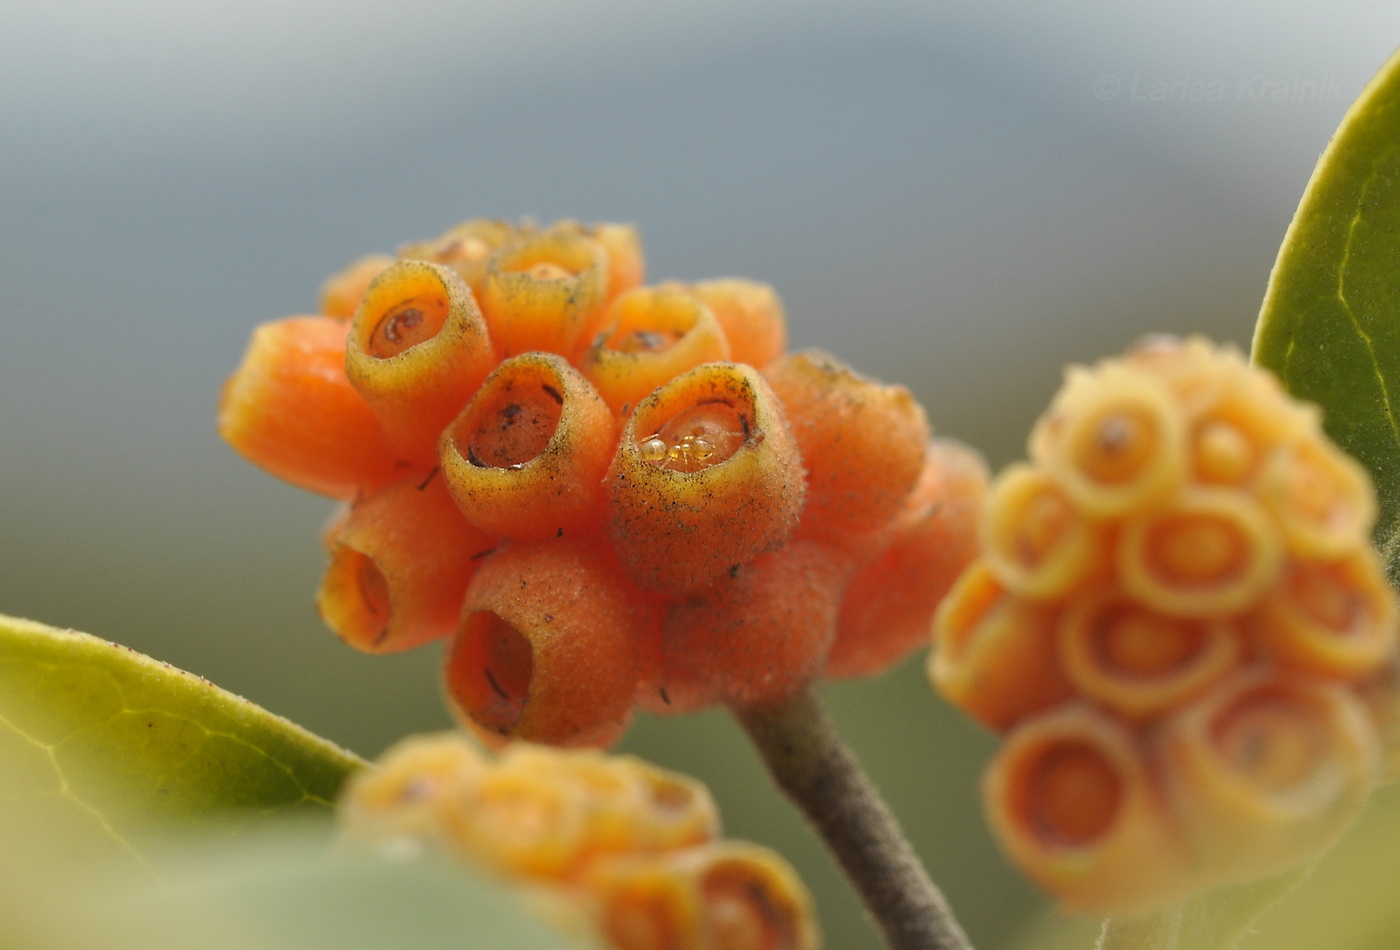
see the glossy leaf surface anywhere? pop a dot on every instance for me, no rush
(117, 750)
(279, 889)
(1330, 323)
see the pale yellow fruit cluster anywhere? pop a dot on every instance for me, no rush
(608, 846)
(1180, 624)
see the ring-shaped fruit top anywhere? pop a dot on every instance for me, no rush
(706, 476)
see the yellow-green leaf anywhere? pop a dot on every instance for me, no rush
(1346, 901)
(280, 889)
(112, 750)
(1330, 323)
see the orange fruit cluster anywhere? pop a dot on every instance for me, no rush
(602, 494)
(611, 845)
(1179, 622)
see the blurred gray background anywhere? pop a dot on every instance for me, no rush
(960, 196)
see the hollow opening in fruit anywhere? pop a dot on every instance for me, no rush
(1072, 795)
(696, 438)
(1223, 453)
(462, 250)
(1039, 525)
(970, 605)
(355, 599)
(547, 270)
(651, 321)
(373, 588)
(1198, 549)
(1319, 490)
(559, 262)
(1145, 644)
(740, 912)
(491, 670)
(599, 779)
(643, 341)
(546, 261)
(523, 810)
(670, 797)
(1330, 598)
(1272, 738)
(644, 919)
(1117, 445)
(407, 323)
(513, 424)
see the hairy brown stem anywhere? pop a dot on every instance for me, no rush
(813, 766)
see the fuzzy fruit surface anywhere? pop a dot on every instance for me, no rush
(600, 493)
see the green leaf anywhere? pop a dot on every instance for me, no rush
(133, 807)
(1349, 901)
(1213, 920)
(1330, 323)
(1345, 901)
(280, 889)
(107, 751)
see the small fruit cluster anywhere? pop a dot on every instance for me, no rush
(603, 494)
(1180, 623)
(609, 845)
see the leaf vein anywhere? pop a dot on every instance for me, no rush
(66, 791)
(1342, 266)
(306, 795)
